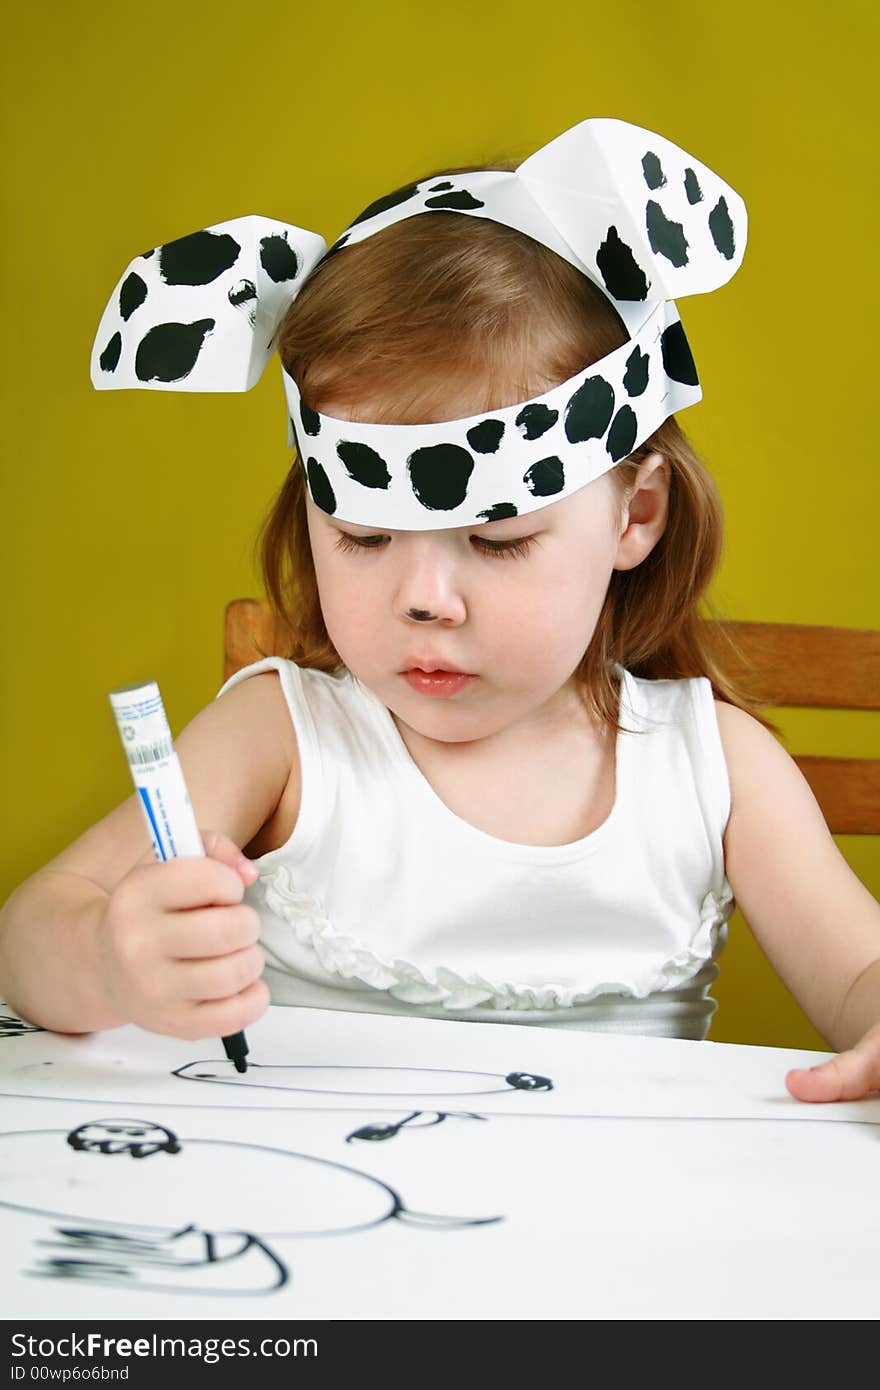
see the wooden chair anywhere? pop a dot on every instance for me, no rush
(803, 667)
(248, 634)
(795, 666)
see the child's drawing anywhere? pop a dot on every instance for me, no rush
(353, 1062)
(385, 1082)
(11, 1026)
(188, 1260)
(185, 1234)
(388, 1082)
(418, 1119)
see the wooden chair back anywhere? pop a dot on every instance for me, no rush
(792, 665)
(797, 666)
(248, 634)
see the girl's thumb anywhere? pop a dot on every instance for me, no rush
(219, 846)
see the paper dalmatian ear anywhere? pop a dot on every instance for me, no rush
(200, 313)
(648, 220)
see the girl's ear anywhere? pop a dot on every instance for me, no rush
(645, 513)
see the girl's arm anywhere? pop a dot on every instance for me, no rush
(815, 921)
(83, 936)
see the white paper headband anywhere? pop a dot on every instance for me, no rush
(629, 209)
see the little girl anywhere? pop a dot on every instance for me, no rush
(501, 775)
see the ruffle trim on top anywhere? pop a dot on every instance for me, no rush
(351, 960)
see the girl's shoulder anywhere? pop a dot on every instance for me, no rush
(772, 804)
(240, 755)
(683, 703)
(659, 691)
(250, 718)
(809, 912)
(309, 722)
(298, 685)
(751, 750)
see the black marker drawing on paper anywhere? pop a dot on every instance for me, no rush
(318, 1197)
(129, 1257)
(11, 1026)
(387, 1082)
(138, 1138)
(374, 1081)
(382, 1129)
(410, 1085)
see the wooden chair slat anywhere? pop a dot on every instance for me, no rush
(249, 634)
(847, 790)
(812, 667)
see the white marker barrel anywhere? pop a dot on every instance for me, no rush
(156, 771)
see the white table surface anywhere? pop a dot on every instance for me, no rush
(656, 1179)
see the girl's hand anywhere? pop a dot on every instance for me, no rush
(178, 947)
(850, 1075)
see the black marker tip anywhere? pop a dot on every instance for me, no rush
(236, 1049)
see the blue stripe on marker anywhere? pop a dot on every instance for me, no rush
(145, 798)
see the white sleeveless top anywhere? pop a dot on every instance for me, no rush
(383, 900)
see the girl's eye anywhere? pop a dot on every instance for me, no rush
(505, 550)
(344, 541)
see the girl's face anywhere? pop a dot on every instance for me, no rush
(513, 604)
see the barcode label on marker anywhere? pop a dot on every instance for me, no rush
(150, 752)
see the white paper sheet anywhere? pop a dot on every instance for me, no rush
(377, 1167)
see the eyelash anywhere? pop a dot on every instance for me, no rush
(502, 550)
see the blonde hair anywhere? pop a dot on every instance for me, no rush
(440, 297)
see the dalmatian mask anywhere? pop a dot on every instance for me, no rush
(629, 209)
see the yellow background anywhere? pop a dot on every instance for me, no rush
(128, 517)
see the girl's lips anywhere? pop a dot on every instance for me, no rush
(437, 683)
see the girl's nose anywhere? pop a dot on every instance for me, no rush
(428, 590)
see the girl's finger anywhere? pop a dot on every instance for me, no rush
(849, 1076)
(204, 981)
(202, 933)
(219, 846)
(219, 1018)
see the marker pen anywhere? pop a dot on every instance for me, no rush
(161, 791)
